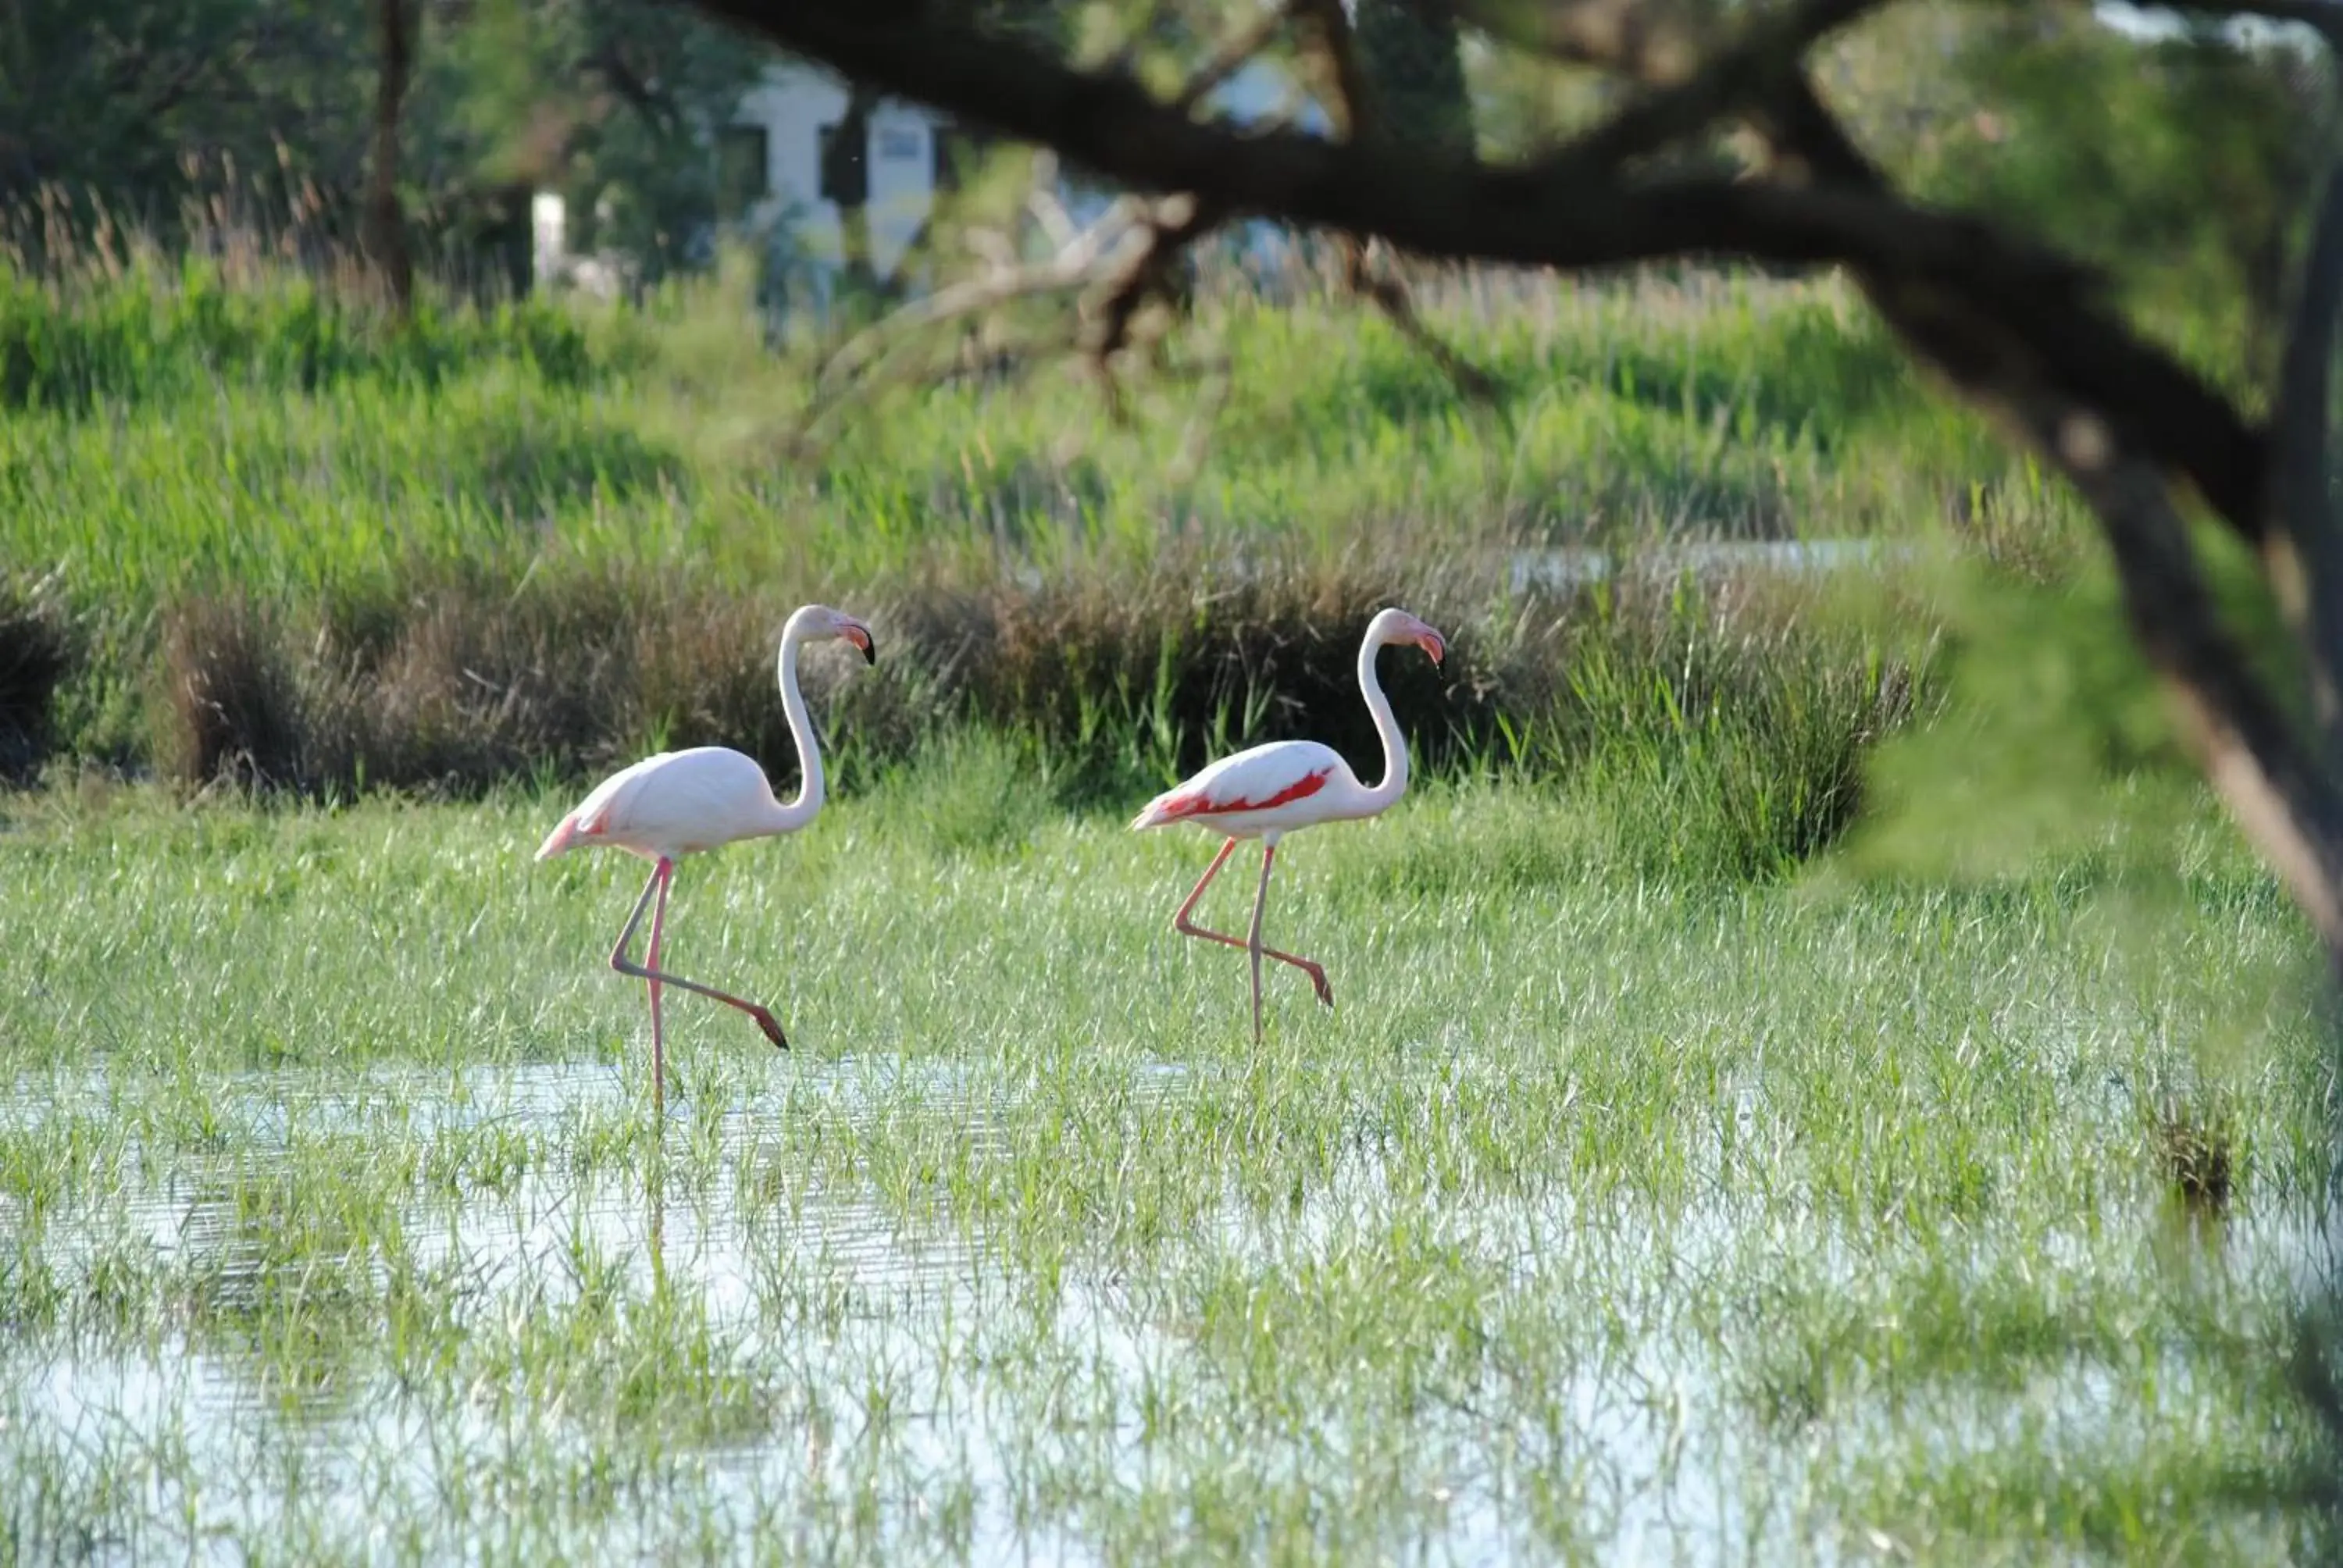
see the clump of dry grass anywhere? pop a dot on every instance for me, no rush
(1723, 695)
(2197, 1146)
(453, 686)
(1166, 667)
(229, 693)
(37, 654)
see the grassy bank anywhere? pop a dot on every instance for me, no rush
(1611, 1213)
(254, 531)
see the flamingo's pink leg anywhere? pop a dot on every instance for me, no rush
(1260, 902)
(664, 873)
(1188, 928)
(658, 976)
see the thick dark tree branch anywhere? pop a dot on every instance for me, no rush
(2304, 563)
(1655, 42)
(1549, 213)
(2277, 788)
(1355, 115)
(1554, 212)
(1752, 72)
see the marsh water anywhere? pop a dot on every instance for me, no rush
(876, 1373)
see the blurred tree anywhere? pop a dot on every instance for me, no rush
(384, 228)
(2156, 153)
(143, 104)
(1414, 71)
(615, 103)
(136, 100)
(2179, 162)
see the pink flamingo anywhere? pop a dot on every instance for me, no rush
(1271, 790)
(681, 803)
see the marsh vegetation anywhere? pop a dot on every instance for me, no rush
(1610, 1213)
(1705, 1161)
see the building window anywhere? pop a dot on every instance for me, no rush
(846, 164)
(741, 181)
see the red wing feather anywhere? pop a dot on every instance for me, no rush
(1201, 804)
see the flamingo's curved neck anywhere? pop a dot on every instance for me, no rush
(1394, 778)
(800, 811)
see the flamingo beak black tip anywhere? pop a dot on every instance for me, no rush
(869, 650)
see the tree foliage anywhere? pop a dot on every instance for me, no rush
(121, 96)
(2179, 162)
(1412, 63)
(144, 104)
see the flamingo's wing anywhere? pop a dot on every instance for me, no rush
(604, 806)
(1255, 781)
(705, 795)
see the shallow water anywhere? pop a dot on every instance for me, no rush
(913, 1385)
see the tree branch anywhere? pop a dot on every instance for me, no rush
(1749, 72)
(1546, 212)
(2070, 341)
(1230, 58)
(1655, 42)
(2302, 556)
(1554, 212)
(2285, 800)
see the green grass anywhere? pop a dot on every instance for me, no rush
(1666, 1185)
(193, 456)
(171, 442)
(1617, 1212)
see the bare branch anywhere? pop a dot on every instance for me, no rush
(2074, 343)
(1330, 28)
(1042, 204)
(883, 352)
(1171, 226)
(2275, 786)
(1550, 212)
(1750, 71)
(1232, 57)
(1391, 296)
(1655, 42)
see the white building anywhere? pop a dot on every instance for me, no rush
(770, 171)
(783, 125)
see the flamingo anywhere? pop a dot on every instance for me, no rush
(681, 803)
(1271, 790)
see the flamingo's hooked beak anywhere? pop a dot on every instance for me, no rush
(1430, 642)
(859, 634)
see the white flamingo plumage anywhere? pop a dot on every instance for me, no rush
(1272, 790)
(681, 803)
